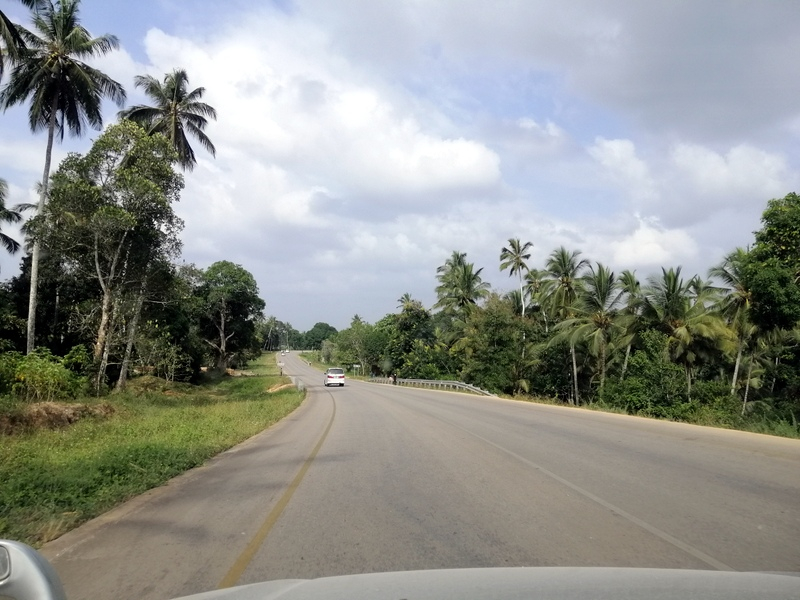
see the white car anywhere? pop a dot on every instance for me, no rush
(334, 376)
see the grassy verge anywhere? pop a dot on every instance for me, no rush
(52, 481)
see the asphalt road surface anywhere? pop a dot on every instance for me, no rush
(372, 477)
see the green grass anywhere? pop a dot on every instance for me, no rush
(52, 481)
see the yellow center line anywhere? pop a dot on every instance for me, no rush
(244, 559)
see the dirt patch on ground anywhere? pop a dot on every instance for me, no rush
(237, 373)
(51, 415)
(280, 386)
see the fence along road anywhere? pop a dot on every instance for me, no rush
(407, 478)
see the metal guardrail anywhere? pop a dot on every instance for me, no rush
(434, 383)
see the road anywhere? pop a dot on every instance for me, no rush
(374, 477)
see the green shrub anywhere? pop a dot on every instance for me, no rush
(654, 386)
(41, 377)
(9, 361)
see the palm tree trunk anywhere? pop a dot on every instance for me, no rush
(625, 362)
(575, 374)
(33, 294)
(774, 377)
(747, 385)
(602, 367)
(688, 383)
(736, 368)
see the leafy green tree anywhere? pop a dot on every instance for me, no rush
(772, 271)
(654, 385)
(492, 359)
(313, 338)
(177, 112)
(412, 325)
(110, 216)
(167, 342)
(363, 344)
(230, 307)
(65, 93)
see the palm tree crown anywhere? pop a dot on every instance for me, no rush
(11, 41)
(461, 286)
(513, 257)
(176, 112)
(7, 216)
(49, 71)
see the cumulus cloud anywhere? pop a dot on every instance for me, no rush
(650, 246)
(619, 159)
(744, 172)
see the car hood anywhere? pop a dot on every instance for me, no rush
(529, 583)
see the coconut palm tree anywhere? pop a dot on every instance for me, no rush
(461, 289)
(564, 270)
(513, 257)
(177, 112)
(537, 287)
(735, 304)
(595, 318)
(680, 309)
(65, 93)
(7, 216)
(631, 292)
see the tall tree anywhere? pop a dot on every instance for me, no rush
(736, 301)
(595, 319)
(64, 92)
(564, 270)
(772, 272)
(631, 292)
(513, 257)
(7, 216)
(461, 289)
(679, 308)
(110, 215)
(231, 306)
(177, 112)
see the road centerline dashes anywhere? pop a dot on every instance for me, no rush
(245, 558)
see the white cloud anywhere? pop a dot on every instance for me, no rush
(619, 159)
(744, 172)
(650, 246)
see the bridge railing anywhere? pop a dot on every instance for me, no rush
(435, 384)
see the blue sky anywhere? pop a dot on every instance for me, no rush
(360, 142)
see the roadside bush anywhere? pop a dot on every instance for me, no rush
(654, 386)
(41, 377)
(9, 361)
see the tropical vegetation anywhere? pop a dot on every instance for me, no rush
(721, 349)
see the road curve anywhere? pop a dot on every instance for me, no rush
(373, 477)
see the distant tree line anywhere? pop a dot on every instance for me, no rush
(722, 348)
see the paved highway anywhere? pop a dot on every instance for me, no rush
(374, 477)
